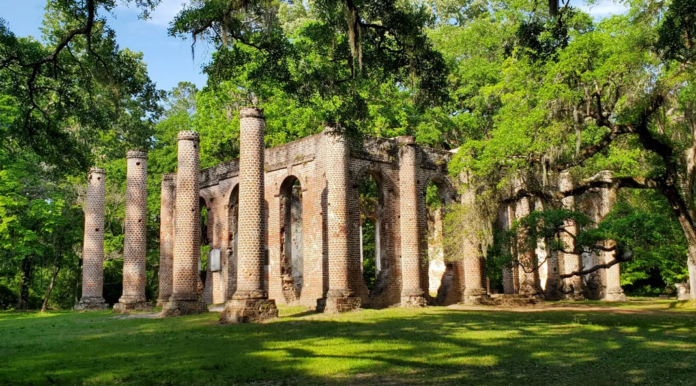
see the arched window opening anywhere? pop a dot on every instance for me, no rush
(371, 215)
(232, 235)
(291, 246)
(206, 238)
(440, 272)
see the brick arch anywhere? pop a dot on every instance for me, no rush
(452, 279)
(382, 179)
(290, 258)
(388, 207)
(447, 190)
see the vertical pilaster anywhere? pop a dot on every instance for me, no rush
(187, 243)
(340, 296)
(412, 255)
(613, 291)
(93, 246)
(528, 272)
(568, 262)
(167, 199)
(250, 302)
(551, 287)
(135, 239)
(473, 272)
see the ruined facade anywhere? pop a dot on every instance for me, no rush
(311, 255)
(284, 226)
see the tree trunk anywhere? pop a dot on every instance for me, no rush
(49, 289)
(27, 273)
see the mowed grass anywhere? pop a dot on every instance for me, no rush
(385, 347)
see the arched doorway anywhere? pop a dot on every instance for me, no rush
(206, 226)
(232, 238)
(444, 277)
(373, 258)
(291, 242)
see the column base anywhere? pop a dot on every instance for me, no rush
(248, 311)
(553, 292)
(162, 302)
(475, 296)
(338, 305)
(91, 304)
(413, 301)
(132, 306)
(174, 308)
(615, 295)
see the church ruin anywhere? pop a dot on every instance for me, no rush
(283, 227)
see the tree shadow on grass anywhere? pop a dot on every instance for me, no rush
(394, 346)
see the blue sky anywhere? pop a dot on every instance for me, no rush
(169, 59)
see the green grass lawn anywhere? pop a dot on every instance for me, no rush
(386, 347)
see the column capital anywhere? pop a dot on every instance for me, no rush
(188, 135)
(251, 112)
(95, 170)
(139, 154)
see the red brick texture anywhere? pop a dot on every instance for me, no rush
(528, 274)
(473, 259)
(343, 261)
(412, 226)
(134, 243)
(613, 290)
(250, 301)
(329, 170)
(567, 262)
(187, 244)
(93, 247)
(167, 199)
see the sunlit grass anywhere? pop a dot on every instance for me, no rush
(392, 347)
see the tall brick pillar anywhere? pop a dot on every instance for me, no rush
(412, 255)
(93, 246)
(187, 243)
(613, 292)
(250, 302)
(473, 270)
(341, 296)
(567, 263)
(167, 198)
(134, 243)
(552, 290)
(528, 272)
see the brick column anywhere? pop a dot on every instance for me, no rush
(412, 255)
(93, 247)
(552, 287)
(340, 296)
(250, 302)
(473, 278)
(187, 243)
(134, 243)
(528, 273)
(613, 291)
(167, 198)
(567, 262)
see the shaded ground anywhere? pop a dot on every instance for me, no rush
(436, 345)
